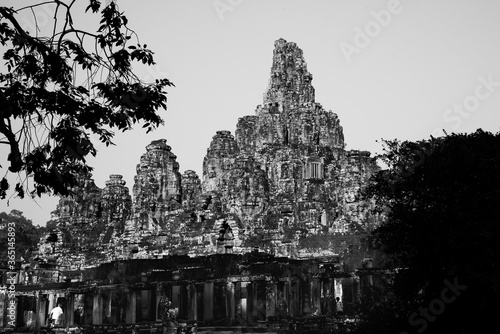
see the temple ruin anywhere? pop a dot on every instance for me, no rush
(272, 229)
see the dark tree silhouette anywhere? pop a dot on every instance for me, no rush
(441, 200)
(59, 89)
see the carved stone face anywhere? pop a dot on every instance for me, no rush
(351, 194)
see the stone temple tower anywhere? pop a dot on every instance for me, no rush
(290, 82)
(286, 171)
(289, 116)
(157, 187)
(283, 183)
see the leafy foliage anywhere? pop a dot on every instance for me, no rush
(60, 89)
(26, 236)
(440, 198)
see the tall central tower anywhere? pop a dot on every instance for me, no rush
(290, 82)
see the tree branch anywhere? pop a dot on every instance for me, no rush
(15, 159)
(35, 5)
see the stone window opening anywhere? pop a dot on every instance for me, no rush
(313, 170)
(285, 136)
(284, 171)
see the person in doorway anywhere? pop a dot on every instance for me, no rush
(315, 312)
(339, 308)
(56, 315)
(78, 315)
(166, 313)
(282, 307)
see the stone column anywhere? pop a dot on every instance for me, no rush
(338, 292)
(286, 295)
(230, 306)
(291, 298)
(254, 301)
(88, 308)
(208, 297)
(131, 307)
(294, 301)
(176, 297)
(51, 301)
(97, 309)
(316, 294)
(150, 296)
(70, 308)
(200, 302)
(159, 294)
(40, 311)
(271, 292)
(114, 313)
(192, 300)
(237, 301)
(356, 291)
(106, 306)
(325, 297)
(244, 300)
(305, 296)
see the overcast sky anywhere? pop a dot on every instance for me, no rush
(390, 69)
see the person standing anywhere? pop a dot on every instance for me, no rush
(78, 315)
(282, 309)
(165, 311)
(56, 315)
(339, 308)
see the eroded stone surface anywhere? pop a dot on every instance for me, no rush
(284, 184)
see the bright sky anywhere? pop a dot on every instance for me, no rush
(390, 69)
